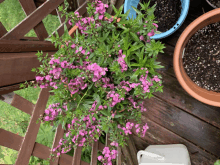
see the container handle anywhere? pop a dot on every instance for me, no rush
(150, 155)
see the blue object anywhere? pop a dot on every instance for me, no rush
(184, 12)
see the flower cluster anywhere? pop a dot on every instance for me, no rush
(97, 71)
(108, 156)
(101, 75)
(52, 111)
(115, 97)
(128, 128)
(121, 61)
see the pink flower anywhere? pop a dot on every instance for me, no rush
(101, 17)
(155, 25)
(141, 38)
(150, 34)
(73, 46)
(114, 143)
(70, 22)
(100, 158)
(46, 118)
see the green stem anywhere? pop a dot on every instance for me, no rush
(82, 98)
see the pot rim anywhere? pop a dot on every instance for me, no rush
(185, 8)
(176, 59)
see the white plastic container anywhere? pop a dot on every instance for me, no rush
(171, 154)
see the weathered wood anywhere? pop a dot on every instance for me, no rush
(110, 8)
(58, 136)
(183, 124)
(107, 141)
(132, 150)
(140, 143)
(157, 135)
(28, 7)
(61, 19)
(37, 4)
(73, 5)
(25, 46)
(10, 140)
(60, 29)
(29, 39)
(101, 146)
(22, 104)
(16, 67)
(3, 31)
(30, 137)
(32, 20)
(118, 5)
(128, 157)
(174, 94)
(77, 155)
(8, 89)
(119, 156)
(94, 153)
(13, 141)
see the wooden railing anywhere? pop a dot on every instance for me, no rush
(27, 147)
(17, 58)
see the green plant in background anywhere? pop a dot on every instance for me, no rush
(217, 162)
(11, 13)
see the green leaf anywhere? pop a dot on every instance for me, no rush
(105, 112)
(158, 32)
(135, 64)
(142, 6)
(217, 162)
(118, 116)
(108, 15)
(135, 37)
(136, 47)
(137, 11)
(33, 70)
(105, 128)
(115, 10)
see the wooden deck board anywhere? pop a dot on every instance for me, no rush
(174, 117)
(157, 134)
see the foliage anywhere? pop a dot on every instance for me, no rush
(217, 162)
(100, 77)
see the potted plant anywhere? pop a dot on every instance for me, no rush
(196, 59)
(169, 14)
(100, 77)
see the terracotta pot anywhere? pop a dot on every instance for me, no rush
(203, 95)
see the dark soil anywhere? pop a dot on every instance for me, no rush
(215, 2)
(167, 12)
(201, 58)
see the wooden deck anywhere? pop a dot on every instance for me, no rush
(174, 116)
